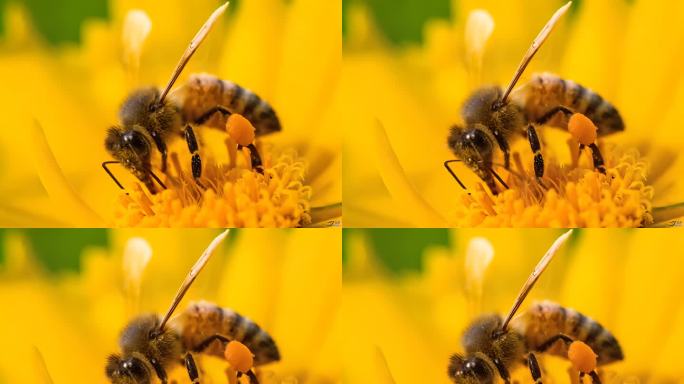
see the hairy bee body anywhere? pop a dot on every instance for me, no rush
(146, 351)
(546, 91)
(203, 319)
(147, 125)
(204, 91)
(545, 100)
(485, 345)
(545, 319)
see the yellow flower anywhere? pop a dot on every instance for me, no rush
(63, 99)
(399, 138)
(418, 318)
(74, 320)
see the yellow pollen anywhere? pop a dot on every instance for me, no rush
(240, 129)
(228, 194)
(573, 195)
(582, 129)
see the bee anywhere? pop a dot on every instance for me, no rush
(150, 119)
(494, 345)
(492, 118)
(151, 344)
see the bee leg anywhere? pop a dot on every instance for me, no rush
(204, 344)
(252, 377)
(503, 144)
(596, 157)
(552, 112)
(536, 149)
(534, 368)
(192, 368)
(161, 373)
(208, 114)
(161, 146)
(194, 150)
(255, 159)
(503, 371)
(549, 343)
(594, 377)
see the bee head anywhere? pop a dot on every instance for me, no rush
(131, 370)
(473, 147)
(469, 370)
(132, 148)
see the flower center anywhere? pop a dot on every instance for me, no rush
(228, 194)
(573, 195)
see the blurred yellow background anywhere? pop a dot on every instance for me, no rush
(405, 307)
(67, 318)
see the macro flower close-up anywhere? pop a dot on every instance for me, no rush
(64, 97)
(427, 289)
(70, 308)
(607, 47)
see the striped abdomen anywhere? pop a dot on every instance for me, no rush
(546, 319)
(546, 91)
(203, 92)
(203, 319)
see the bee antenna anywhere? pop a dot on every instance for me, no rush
(446, 165)
(157, 179)
(498, 178)
(194, 44)
(192, 275)
(109, 172)
(541, 266)
(536, 44)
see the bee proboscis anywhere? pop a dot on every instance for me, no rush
(151, 344)
(150, 118)
(493, 117)
(494, 345)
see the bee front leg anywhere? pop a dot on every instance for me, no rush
(194, 150)
(161, 373)
(534, 368)
(161, 146)
(503, 371)
(536, 149)
(192, 368)
(503, 144)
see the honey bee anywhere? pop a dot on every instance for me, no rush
(150, 344)
(494, 345)
(150, 119)
(492, 118)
